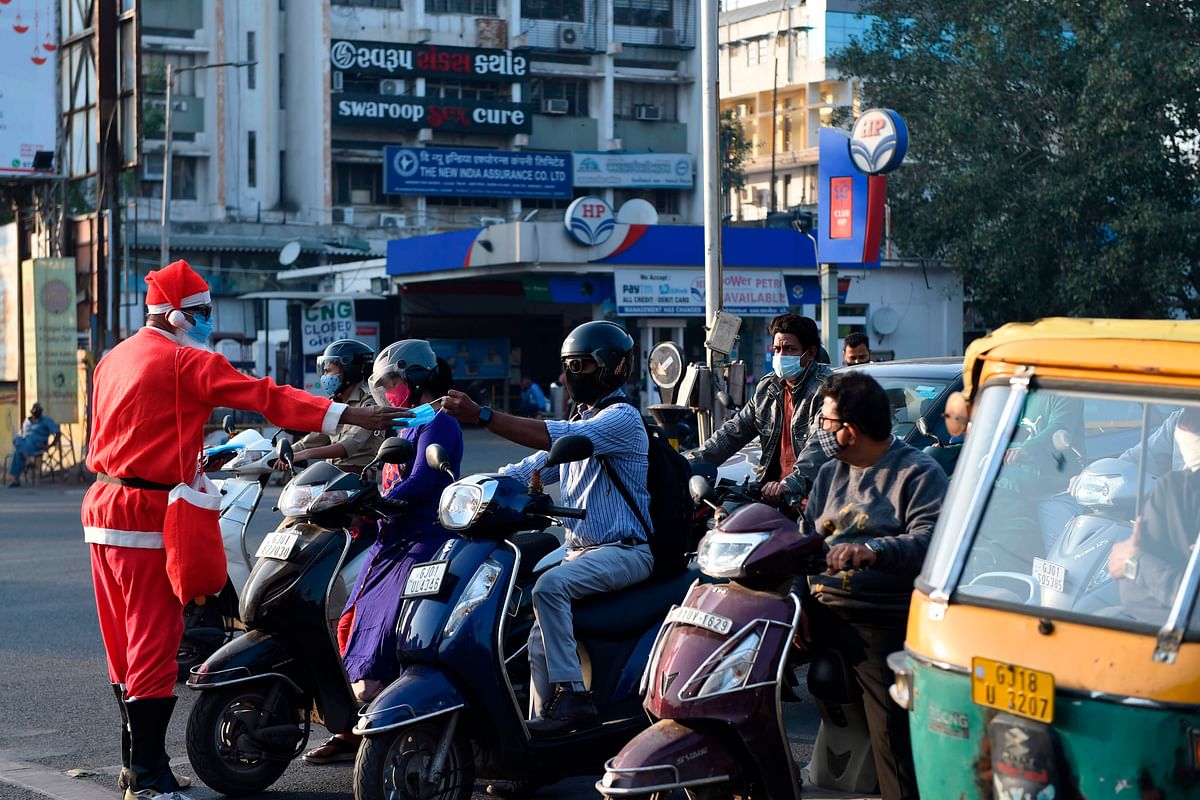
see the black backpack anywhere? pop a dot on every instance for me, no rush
(671, 506)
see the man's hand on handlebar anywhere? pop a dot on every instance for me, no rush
(849, 556)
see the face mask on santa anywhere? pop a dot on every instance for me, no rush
(192, 329)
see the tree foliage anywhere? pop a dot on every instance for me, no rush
(1053, 150)
(734, 149)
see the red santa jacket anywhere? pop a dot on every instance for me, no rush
(139, 415)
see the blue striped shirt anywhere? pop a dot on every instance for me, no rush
(618, 433)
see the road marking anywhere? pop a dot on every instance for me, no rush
(45, 782)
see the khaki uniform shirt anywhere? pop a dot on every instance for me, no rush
(361, 444)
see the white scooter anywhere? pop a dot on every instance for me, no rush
(248, 458)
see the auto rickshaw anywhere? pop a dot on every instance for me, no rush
(1053, 644)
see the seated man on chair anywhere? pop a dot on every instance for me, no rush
(34, 439)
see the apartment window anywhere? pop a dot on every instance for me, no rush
(573, 92)
(756, 52)
(252, 70)
(482, 8)
(183, 176)
(251, 159)
(643, 13)
(566, 10)
(356, 183)
(466, 90)
(646, 101)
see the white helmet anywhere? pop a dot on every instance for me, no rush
(409, 360)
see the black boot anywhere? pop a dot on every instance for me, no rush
(149, 765)
(566, 711)
(124, 778)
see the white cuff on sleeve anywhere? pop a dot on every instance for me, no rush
(332, 416)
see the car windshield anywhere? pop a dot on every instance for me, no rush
(1056, 532)
(911, 399)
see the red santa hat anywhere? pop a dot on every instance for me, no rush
(174, 286)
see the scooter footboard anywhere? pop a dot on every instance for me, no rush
(666, 756)
(252, 656)
(421, 692)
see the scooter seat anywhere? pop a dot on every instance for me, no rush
(628, 613)
(533, 546)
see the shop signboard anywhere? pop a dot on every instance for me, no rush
(474, 359)
(323, 323)
(452, 171)
(806, 289)
(633, 170)
(439, 114)
(391, 60)
(51, 345)
(680, 292)
(10, 297)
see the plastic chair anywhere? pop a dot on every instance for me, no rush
(59, 455)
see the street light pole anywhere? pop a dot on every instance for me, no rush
(164, 253)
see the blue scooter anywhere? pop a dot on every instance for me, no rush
(459, 707)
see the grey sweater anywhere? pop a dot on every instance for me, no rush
(893, 504)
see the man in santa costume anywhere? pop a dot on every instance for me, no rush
(155, 387)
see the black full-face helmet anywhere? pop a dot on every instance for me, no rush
(355, 358)
(610, 347)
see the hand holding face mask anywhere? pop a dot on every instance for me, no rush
(421, 414)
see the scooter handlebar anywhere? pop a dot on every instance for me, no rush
(570, 513)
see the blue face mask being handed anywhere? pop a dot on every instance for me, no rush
(331, 384)
(787, 367)
(421, 415)
(201, 329)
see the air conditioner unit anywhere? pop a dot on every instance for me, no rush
(668, 37)
(391, 86)
(336, 81)
(555, 105)
(343, 216)
(648, 113)
(570, 37)
(393, 220)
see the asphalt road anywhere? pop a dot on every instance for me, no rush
(60, 732)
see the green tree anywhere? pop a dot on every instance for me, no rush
(734, 152)
(1053, 152)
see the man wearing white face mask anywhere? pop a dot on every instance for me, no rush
(1149, 565)
(780, 413)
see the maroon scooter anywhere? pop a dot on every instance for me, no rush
(715, 676)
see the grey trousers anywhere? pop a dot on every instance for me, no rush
(592, 570)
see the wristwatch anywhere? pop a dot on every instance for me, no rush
(1131, 568)
(485, 416)
(873, 546)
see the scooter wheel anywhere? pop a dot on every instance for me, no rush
(390, 766)
(220, 743)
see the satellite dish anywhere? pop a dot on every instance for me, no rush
(638, 212)
(665, 364)
(289, 253)
(885, 321)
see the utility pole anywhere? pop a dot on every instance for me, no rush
(164, 253)
(106, 236)
(710, 151)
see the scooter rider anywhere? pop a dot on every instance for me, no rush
(166, 382)
(608, 550)
(345, 366)
(876, 501)
(780, 413)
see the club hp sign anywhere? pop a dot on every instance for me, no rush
(878, 141)
(590, 221)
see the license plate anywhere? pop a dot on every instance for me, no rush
(279, 544)
(701, 619)
(1017, 690)
(425, 579)
(1050, 575)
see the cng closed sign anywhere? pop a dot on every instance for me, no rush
(325, 322)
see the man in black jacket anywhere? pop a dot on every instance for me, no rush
(876, 502)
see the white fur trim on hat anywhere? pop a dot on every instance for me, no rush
(199, 299)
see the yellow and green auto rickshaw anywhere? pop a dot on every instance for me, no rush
(1053, 647)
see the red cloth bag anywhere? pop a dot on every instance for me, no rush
(192, 532)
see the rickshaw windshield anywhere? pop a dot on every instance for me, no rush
(1049, 491)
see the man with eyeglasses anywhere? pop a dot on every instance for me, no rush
(152, 394)
(876, 502)
(609, 549)
(780, 413)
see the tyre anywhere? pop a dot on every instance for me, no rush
(389, 765)
(219, 742)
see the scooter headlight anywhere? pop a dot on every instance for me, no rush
(296, 498)
(246, 458)
(733, 670)
(478, 590)
(460, 504)
(1096, 490)
(723, 555)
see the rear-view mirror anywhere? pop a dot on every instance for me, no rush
(569, 448)
(395, 450)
